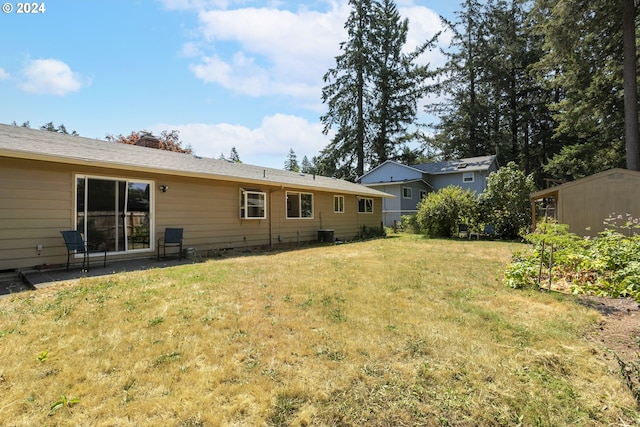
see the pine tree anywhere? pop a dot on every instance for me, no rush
(492, 104)
(234, 156)
(306, 166)
(398, 84)
(291, 164)
(52, 128)
(462, 126)
(346, 97)
(372, 92)
(583, 59)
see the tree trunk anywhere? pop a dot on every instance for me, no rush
(632, 135)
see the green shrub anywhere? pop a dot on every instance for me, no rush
(607, 265)
(522, 271)
(505, 202)
(410, 223)
(372, 232)
(440, 212)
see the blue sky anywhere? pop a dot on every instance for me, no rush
(224, 73)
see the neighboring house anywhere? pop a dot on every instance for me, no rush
(409, 184)
(585, 203)
(126, 196)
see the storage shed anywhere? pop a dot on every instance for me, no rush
(585, 203)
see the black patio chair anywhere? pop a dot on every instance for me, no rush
(489, 231)
(75, 242)
(463, 229)
(172, 237)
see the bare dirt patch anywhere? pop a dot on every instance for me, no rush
(619, 330)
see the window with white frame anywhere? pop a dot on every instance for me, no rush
(116, 211)
(338, 204)
(407, 193)
(365, 205)
(467, 177)
(253, 204)
(423, 194)
(299, 205)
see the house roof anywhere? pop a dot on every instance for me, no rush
(471, 164)
(541, 194)
(406, 181)
(25, 143)
(387, 162)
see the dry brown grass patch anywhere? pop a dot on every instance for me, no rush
(403, 331)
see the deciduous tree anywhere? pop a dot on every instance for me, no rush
(169, 140)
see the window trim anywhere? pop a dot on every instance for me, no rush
(299, 195)
(244, 197)
(423, 194)
(468, 177)
(340, 209)
(407, 193)
(365, 204)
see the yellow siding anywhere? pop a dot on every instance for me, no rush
(586, 205)
(37, 201)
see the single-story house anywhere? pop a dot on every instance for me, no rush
(409, 184)
(585, 203)
(126, 195)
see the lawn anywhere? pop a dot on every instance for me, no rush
(392, 332)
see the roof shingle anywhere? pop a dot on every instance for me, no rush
(25, 143)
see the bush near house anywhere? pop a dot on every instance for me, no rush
(608, 265)
(504, 204)
(440, 212)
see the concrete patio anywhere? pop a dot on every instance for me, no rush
(38, 278)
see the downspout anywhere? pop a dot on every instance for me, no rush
(357, 215)
(271, 214)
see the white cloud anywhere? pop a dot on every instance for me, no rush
(194, 4)
(424, 23)
(51, 76)
(269, 51)
(274, 51)
(263, 52)
(267, 145)
(3, 74)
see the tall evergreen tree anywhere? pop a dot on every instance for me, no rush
(345, 95)
(372, 92)
(397, 82)
(492, 102)
(52, 128)
(460, 132)
(583, 58)
(234, 156)
(306, 166)
(291, 164)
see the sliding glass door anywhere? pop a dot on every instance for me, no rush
(114, 211)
